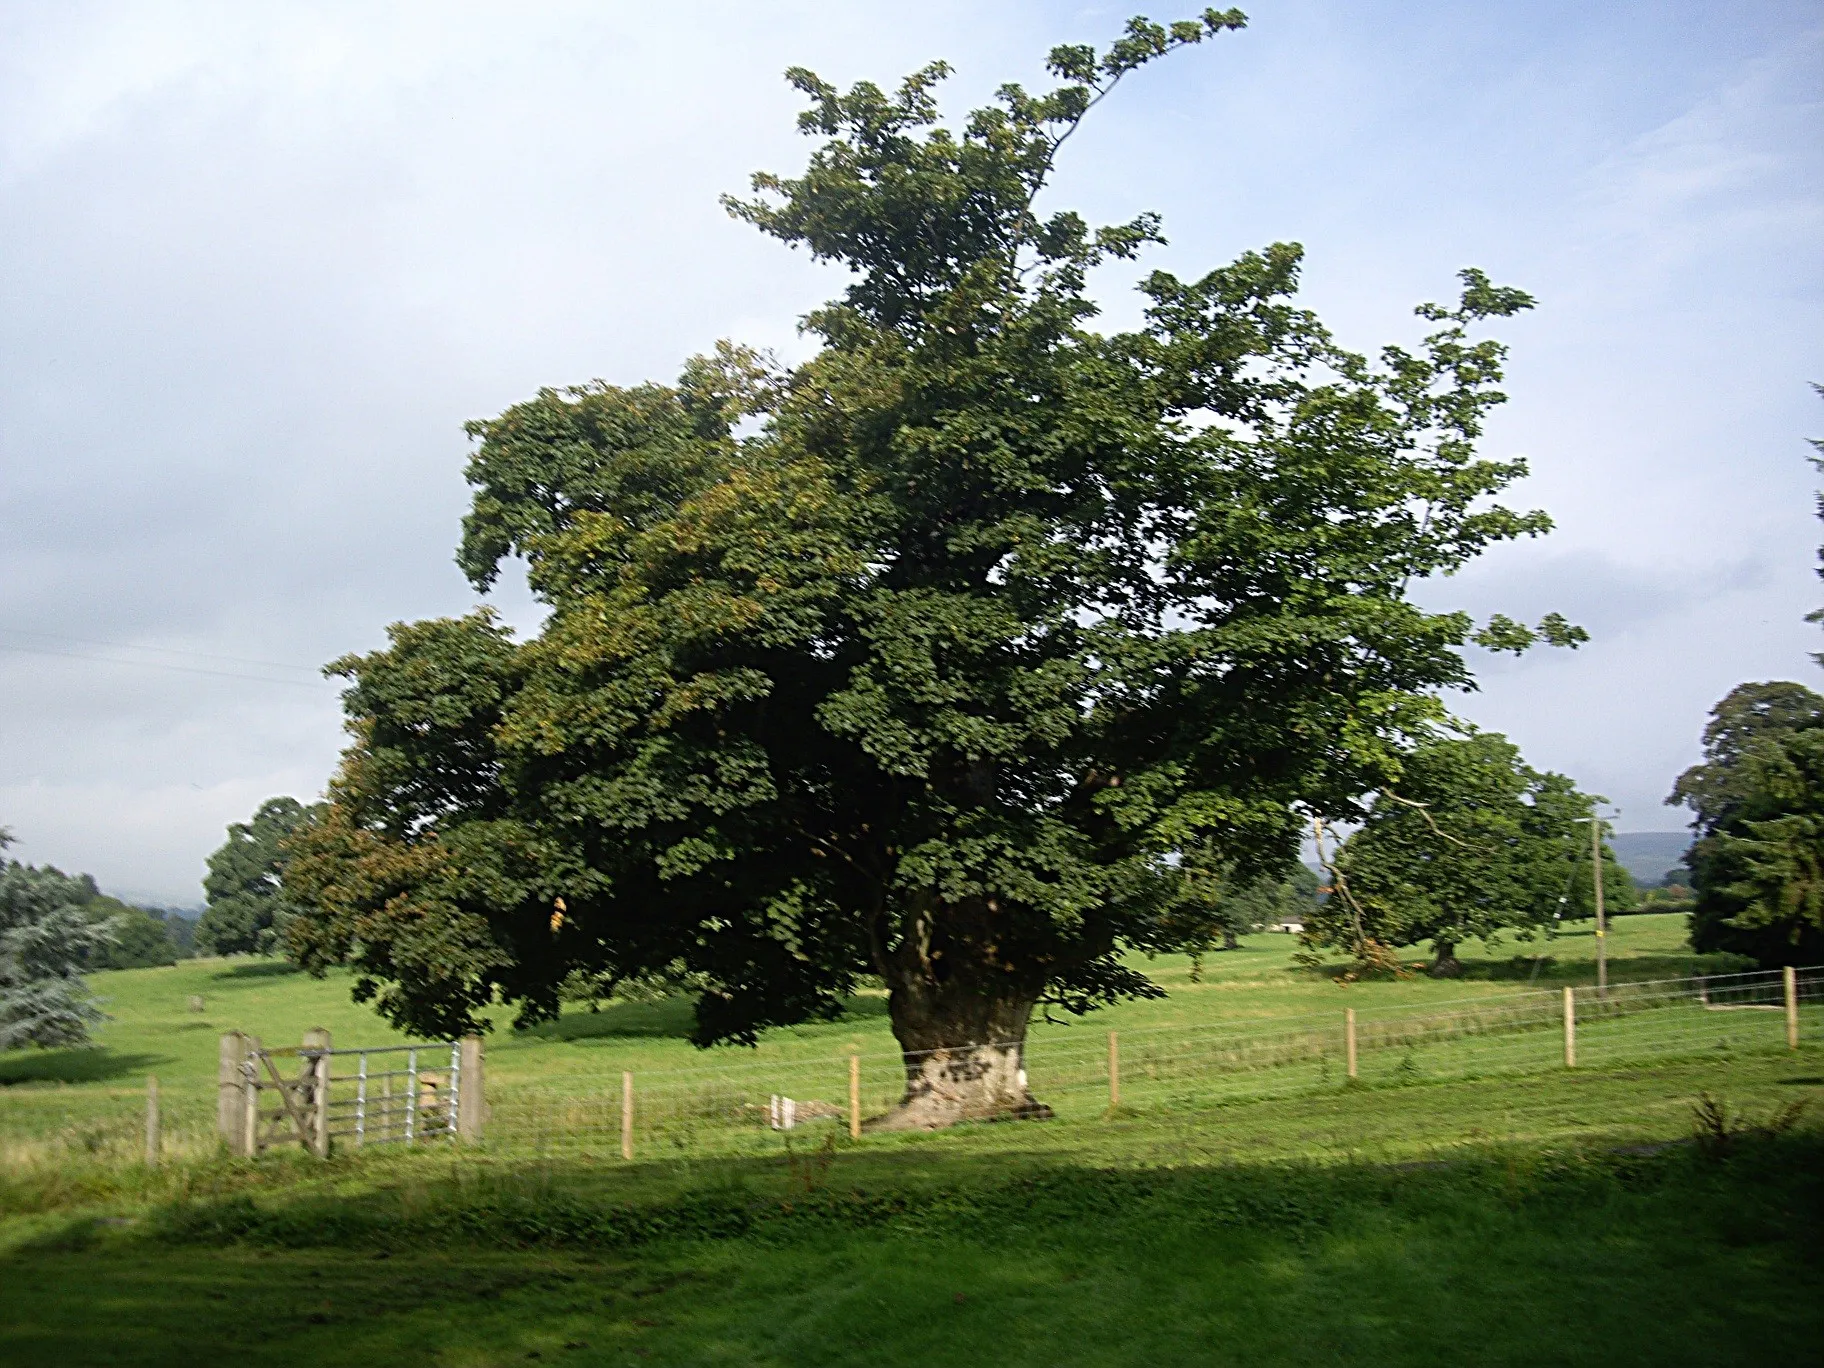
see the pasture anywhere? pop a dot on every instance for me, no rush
(1450, 1205)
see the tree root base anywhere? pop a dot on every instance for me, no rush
(922, 1116)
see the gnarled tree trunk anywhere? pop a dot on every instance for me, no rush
(960, 1016)
(1446, 964)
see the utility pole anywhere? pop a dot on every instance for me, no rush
(1602, 922)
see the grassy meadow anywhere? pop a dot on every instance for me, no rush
(1466, 1200)
(558, 1083)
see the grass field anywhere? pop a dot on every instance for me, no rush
(88, 1099)
(1452, 1206)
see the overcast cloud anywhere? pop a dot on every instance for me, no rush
(258, 264)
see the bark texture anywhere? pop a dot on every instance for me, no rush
(1446, 964)
(960, 1014)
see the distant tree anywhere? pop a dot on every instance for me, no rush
(181, 929)
(1471, 843)
(141, 939)
(1758, 810)
(45, 939)
(1215, 904)
(247, 908)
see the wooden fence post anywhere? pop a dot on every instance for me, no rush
(318, 1116)
(1349, 1038)
(471, 1104)
(627, 1115)
(152, 1121)
(1570, 1028)
(230, 1105)
(250, 1101)
(854, 1097)
(1114, 1071)
(1792, 1007)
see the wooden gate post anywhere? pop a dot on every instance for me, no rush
(230, 1087)
(1349, 1039)
(854, 1097)
(1570, 1028)
(250, 1099)
(627, 1115)
(1114, 1071)
(316, 1113)
(1791, 977)
(470, 1103)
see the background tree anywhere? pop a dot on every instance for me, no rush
(140, 939)
(1214, 906)
(929, 675)
(45, 938)
(1817, 461)
(1756, 804)
(247, 907)
(1473, 844)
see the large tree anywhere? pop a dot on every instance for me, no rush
(45, 941)
(1757, 804)
(926, 659)
(1472, 843)
(247, 908)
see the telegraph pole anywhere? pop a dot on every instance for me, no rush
(1602, 922)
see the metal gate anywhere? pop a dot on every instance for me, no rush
(389, 1094)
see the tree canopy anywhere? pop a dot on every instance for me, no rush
(141, 939)
(1215, 906)
(1757, 803)
(1473, 844)
(45, 941)
(247, 908)
(927, 658)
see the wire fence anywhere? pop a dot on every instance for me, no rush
(726, 1108)
(1291, 1084)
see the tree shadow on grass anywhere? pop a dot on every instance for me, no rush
(258, 969)
(671, 1018)
(80, 1065)
(1544, 970)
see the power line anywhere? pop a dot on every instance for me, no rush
(165, 665)
(158, 650)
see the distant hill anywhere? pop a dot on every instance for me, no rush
(1647, 855)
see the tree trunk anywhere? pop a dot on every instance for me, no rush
(1446, 965)
(1229, 941)
(964, 1044)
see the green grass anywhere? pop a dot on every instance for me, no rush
(1510, 1258)
(1466, 1200)
(561, 1079)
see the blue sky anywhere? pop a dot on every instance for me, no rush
(262, 261)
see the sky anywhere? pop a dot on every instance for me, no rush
(258, 264)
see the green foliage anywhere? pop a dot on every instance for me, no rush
(1215, 906)
(247, 908)
(140, 938)
(933, 675)
(45, 941)
(1758, 802)
(1472, 843)
(1817, 461)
